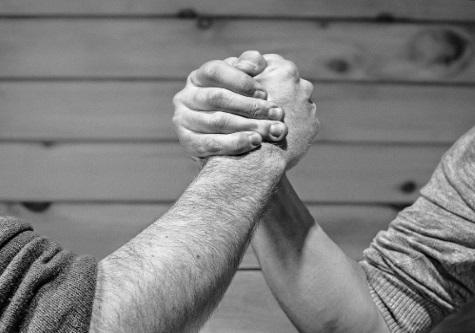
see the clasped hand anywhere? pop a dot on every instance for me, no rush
(230, 107)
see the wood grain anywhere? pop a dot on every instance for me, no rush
(137, 172)
(142, 111)
(404, 9)
(248, 306)
(169, 48)
(99, 229)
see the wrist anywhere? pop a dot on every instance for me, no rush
(267, 158)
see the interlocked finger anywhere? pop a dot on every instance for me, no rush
(205, 145)
(218, 99)
(225, 123)
(220, 74)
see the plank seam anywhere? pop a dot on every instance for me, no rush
(158, 79)
(385, 18)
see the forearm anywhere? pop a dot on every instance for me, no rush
(317, 285)
(170, 277)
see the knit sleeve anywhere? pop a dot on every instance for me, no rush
(43, 288)
(423, 267)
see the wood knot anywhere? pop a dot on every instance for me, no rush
(37, 207)
(441, 48)
(408, 187)
(48, 144)
(339, 66)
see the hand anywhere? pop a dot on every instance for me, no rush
(285, 87)
(223, 111)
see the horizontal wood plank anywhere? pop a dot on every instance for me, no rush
(406, 9)
(137, 172)
(248, 307)
(100, 229)
(173, 48)
(142, 111)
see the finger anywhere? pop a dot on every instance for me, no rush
(216, 122)
(204, 145)
(220, 74)
(231, 60)
(251, 62)
(308, 88)
(218, 99)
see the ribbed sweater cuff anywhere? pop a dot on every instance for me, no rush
(404, 310)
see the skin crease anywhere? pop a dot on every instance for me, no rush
(170, 277)
(309, 275)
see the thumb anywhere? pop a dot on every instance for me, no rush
(251, 63)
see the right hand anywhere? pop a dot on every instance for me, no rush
(223, 111)
(285, 88)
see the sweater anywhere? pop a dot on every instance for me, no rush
(43, 288)
(423, 267)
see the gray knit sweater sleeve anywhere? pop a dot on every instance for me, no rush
(423, 267)
(43, 288)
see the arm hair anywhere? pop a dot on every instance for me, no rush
(171, 276)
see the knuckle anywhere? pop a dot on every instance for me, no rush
(177, 98)
(215, 97)
(290, 69)
(254, 108)
(240, 145)
(198, 152)
(219, 121)
(210, 146)
(177, 119)
(228, 99)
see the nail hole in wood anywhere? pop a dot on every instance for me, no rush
(37, 207)
(408, 187)
(48, 144)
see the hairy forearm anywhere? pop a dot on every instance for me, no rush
(171, 276)
(317, 285)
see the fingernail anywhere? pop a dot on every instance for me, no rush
(275, 113)
(255, 138)
(260, 94)
(276, 130)
(246, 66)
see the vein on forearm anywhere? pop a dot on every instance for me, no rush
(170, 276)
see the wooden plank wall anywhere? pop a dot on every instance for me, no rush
(88, 153)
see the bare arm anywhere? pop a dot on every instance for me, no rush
(317, 285)
(171, 276)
